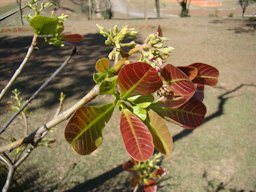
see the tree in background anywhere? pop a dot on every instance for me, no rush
(185, 4)
(244, 4)
(157, 3)
(21, 13)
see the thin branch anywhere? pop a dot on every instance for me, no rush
(11, 170)
(32, 137)
(14, 116)
(59, 109)
(18, 71)
(24, 117)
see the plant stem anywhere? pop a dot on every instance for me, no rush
(18, 71)
(11, 170)
(38, 91)
(24, 117)
(33, 137)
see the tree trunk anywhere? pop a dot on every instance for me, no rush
(89, 9)
(157, 3)
(21, 13)
(97, 10)
(145, 10)
(127, 8)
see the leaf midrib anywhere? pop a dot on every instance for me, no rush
(134, 86)
(93, 122)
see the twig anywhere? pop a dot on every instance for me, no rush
(59, 109)
(11, 169)
(24, 117)
(38, 91)
(18, 71)
(32, 137)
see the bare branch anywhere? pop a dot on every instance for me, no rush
(18, 71)
(38, 91)
(33, 137)
(59, 109)
(11, 170)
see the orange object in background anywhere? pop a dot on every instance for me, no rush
(207, 3)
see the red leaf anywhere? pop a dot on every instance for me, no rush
(199, 94)
(159, 31)
(73, 38)
(136, 136)
(189, 115)
(150, 185)
(159, 172)
(183, 89)
(207, 74)
(127, 166)
(135, 181)
(138, 79)
(190, 71)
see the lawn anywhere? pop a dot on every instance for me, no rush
(221, 153)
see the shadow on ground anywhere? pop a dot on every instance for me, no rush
(100, 181)
(215, 185)
(222, 101)
(75, 80)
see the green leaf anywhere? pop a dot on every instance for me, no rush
(99, 77)
(141, 99)
(84, 129)
(102, 65)
(140, 112)
(108, 86)
(44, 25)
(161, 135)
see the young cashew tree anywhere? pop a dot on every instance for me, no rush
(146, 90)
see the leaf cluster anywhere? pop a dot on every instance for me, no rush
(146, 96)
(145, 174)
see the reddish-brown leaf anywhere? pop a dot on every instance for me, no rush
(150, 185)
(159, 172)
(137, 138)
(179, 84)
(84, 129)
(73, 38)
(199, 94)
(138, 79)
(127, 166)
(190, 71)
(159, 31)
(207, 75)
(161, 135)
(190, 115)
(135, 181)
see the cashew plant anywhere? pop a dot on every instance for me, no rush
(147, 91)
(145, 88)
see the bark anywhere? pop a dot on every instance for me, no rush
(157, 3)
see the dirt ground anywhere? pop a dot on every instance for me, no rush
(219, 154)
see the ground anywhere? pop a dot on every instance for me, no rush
(220, 153)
